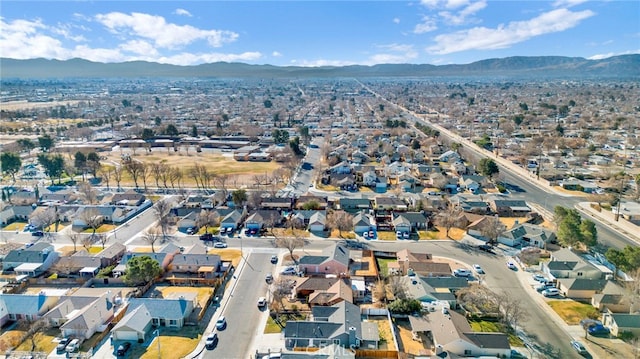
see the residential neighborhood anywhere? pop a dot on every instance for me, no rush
(320, 219)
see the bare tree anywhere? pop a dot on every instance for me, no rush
(449, 217)
(135, 169)
(340, 220)
(145, 172)
(151, 236)
(105, 174)
(492, 229)
(102, 238)
(34, 330)
(117, 175)
(175, 176)
(162, 213)
(44, 219)
(396, 288)
(290, 243)
(280, 289)
(92, 219)
(88, 193)
(87, 242)
(208, 218)
(379, 292)
(222, 183)
(74, 238)
(512, 309)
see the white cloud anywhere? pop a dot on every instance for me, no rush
(23, 39)
(182, 12)
(100, 55)
(163, 34)
(276, 54)
(66, 30)
(428, 24)
(482, 38)
(139, 47)
(194, 59)
(321, 62)
(396, 20)
(461, 16)
(604, 56)
(567, 3)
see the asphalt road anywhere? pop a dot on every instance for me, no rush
(241, 311)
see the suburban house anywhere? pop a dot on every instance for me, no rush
(565, 263)
(263, 218)
(195, 263)
(89, 319)
(629, 211)
(232, 220)
(409, 221)
(333, 260)
(363, 222)
(134, 326)
(419, 287)
(166, 312)
(411, 263)
(339, 324)
(31, 261)
(451, 333)
(527, 234)
(163, 259)
(339, 291)
(620, 323)
(112, 254)
(612, 298)
(310, 285)
(509, 207)
(12, 213)
(14, 307)
(581, 288)
(354, 205)
(317, 222)
(80, 263)
(470, 203)
(128, 198)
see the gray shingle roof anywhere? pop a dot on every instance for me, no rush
(161, 308)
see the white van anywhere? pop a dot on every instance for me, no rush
(73, 346)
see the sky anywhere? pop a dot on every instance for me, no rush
(317, 33)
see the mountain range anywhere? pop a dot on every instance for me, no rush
(623, 66)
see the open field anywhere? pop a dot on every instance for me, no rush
(24, 105)
(241, 173)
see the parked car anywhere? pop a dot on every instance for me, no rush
(462, 272)
(274, 259)
(37, 233)
(551, 292)
(478, 269)
(486, 248)
(211, 341)
(543, 287)
(223, 230)
(289, 271)
(221, 323)
(269, 278)
(579, 347)
(62, 344)
(262, 302)
(220, 245)
(123, 348)
(191, 230)
(511, 265)
(73, 346)
(206, 237)
(399, 234)
(539, 278)
(406, 235)
(598, 329)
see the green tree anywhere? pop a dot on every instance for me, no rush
(295, 146)
(194, 131)
(171, 130)
(488, 167)
(569, 230)
(518, 119)
(11, 163)
(53, 165)
(80, 162)
(141, 270)
(405, 306)
(239, 197)
(589, 233)
(46, 143)
(147, 134)
(617, 258)
(26, 144)
(267, 103)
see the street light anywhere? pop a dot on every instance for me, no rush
(157, 333)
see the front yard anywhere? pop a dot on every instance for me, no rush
(494, 327)
(573, 312)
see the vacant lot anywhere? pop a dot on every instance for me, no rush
(573, 312)
(240, 173)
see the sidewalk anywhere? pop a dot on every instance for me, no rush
(622, 226)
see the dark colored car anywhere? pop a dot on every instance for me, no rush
(486, 248)
(37, 233)
(598, 329)
(206, 237)
(123, 348)
(62, 344)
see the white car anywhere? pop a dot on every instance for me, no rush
(211, 341)
(512, 265)
(551, 292)
(289, 271)
(221, 323)
(478, 269)
(262, 302)
(220, 245)
(461, 272)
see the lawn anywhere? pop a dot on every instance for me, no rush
(386, 236)
(202, 293)
(102, 229)
(493, 327)
(573, 312)
(227, 254)
(441, 233)
(15, 226)
(173, 344)
(273, 327)
(383, 265)
(10, 338)
(44, 342)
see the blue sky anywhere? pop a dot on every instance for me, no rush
(314, 33)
